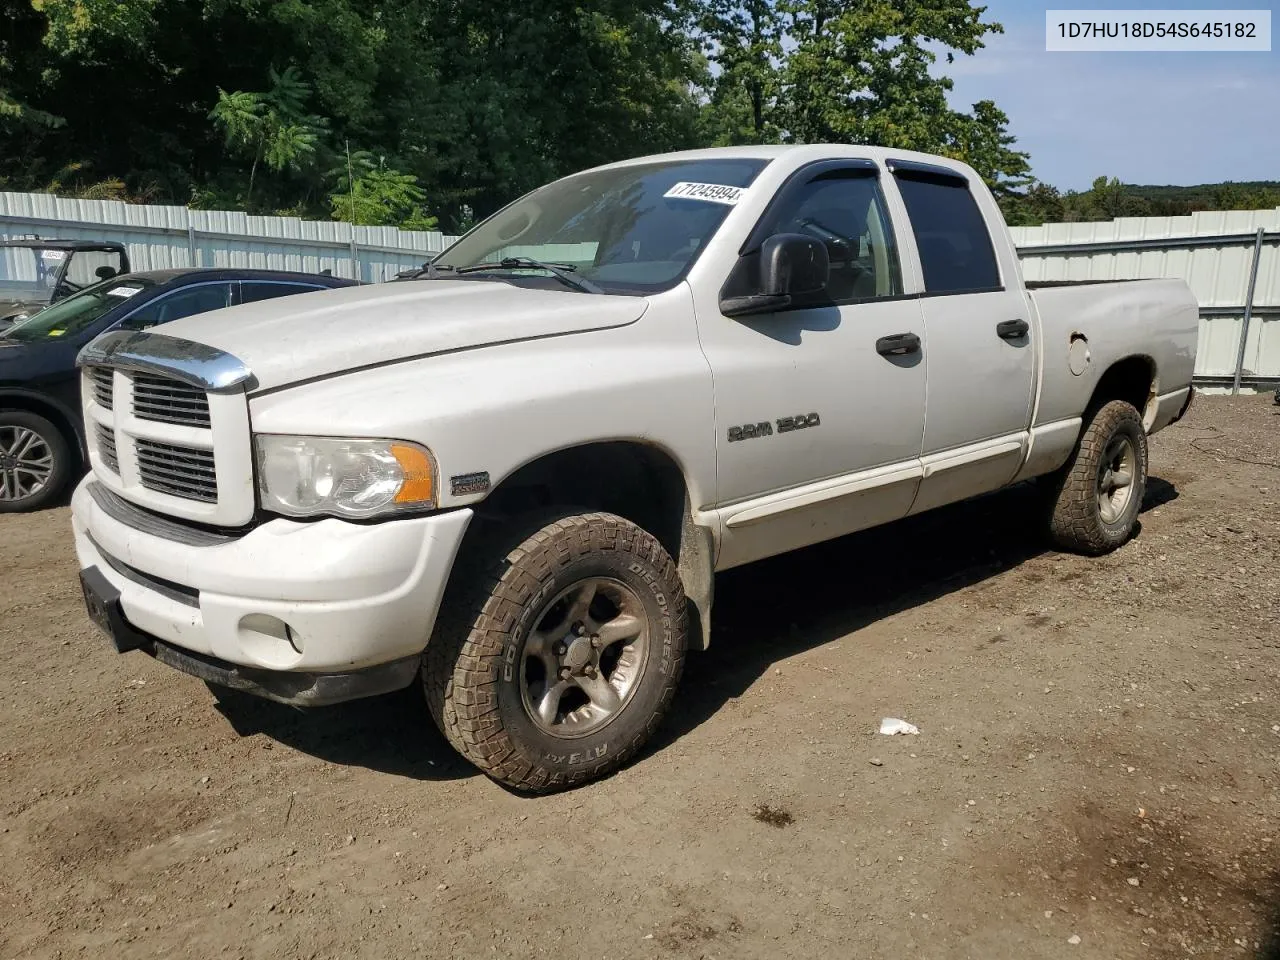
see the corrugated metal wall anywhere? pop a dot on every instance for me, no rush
(1212, 251)
(158, 237)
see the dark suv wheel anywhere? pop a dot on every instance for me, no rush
(35, 461)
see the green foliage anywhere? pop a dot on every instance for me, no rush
(79, 27)
(853, 72)
(272, 127)
(1108, 198)
(743, 38)
(451, 108)
(382, 197)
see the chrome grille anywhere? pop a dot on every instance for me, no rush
(103, 379)
(169, 401)
(177, 470)
(107, 448)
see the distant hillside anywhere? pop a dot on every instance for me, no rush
(1108, 198)
(1202, 196)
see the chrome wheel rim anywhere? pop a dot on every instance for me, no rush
(26, 463)
(1115, 478)
(583, 660)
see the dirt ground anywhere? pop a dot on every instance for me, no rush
(1096, 774)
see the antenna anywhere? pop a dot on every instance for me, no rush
(351, 185)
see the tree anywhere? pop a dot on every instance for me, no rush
(982, 140)
(854, 71)
(860, 71)
(383, 197)
(743, 38)
(1038, 203)
(271, 127)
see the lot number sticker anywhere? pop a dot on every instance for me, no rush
(53, 254)
(123, 291)
(710, 192)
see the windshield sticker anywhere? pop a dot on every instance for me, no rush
(123, 291)
(53, 255)
(56, 333)
(710, 192)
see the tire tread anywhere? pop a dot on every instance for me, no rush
(495, 579)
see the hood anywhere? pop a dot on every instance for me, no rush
(311, 335)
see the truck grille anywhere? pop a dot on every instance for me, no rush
(103, 380)
(175, 441)
(107, 448)
(177, 470)
(169, 401)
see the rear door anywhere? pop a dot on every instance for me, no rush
(980, 358)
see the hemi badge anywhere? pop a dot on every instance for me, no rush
(465, 484)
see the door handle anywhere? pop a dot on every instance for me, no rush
(1012, 329)
(898, 345)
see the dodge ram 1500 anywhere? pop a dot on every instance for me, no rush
(513, 476)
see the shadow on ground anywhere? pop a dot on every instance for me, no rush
(776, 608)
(1271, 943)
(391, 734)
(764, 612)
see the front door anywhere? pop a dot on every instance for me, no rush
(819, 408)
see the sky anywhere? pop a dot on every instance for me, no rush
(1149, 118)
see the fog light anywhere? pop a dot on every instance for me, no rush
(269, 640)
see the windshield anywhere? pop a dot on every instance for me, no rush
(30, 274)
(77, 313)
(633, 229)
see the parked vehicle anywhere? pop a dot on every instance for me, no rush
(42, 442)
(35, 273)
(519, 477)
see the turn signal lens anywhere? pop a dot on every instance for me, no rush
(419, 485)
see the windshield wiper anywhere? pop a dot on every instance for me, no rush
(561, 271)
(428, 270)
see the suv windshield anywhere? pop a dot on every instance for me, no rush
(30, 274)
(633, 229)
(68, 317)
(35, 274)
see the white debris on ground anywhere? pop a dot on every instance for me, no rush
(892, 725)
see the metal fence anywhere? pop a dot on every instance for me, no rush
(158, 237)
(1230, 259)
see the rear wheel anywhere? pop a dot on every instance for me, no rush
(561, 651)
(1099, 492)
(35, 461)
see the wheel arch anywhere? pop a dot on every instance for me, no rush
(1131, 379)
(53, 411)
(639, 481)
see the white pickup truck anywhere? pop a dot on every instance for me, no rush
(513, 477)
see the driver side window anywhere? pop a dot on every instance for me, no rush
(844, 209)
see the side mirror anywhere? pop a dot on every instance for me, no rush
(105, 273)
(791, 264)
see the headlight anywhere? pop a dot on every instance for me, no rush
(306, 476)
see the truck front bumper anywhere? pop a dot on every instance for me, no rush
(303, 612)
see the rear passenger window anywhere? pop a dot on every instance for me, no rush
(253, 290)
(955, 247)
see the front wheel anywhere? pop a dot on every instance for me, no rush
(1099, 492)
(560, 652)
(35, 461)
